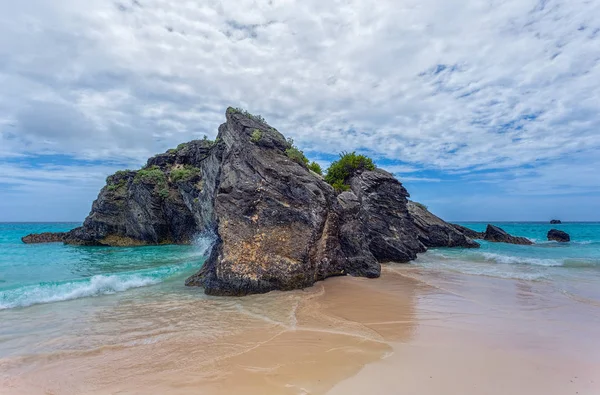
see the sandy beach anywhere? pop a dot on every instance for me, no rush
(413, 331)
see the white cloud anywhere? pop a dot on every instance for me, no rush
(439, 84)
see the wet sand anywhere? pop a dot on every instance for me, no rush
(412, 331)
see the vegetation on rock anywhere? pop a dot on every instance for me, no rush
(314, 166)
(258, 118)
(295, 154)
(340, 171)
(185, 173)
(256, 135)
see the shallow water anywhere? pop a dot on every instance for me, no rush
(120, 320)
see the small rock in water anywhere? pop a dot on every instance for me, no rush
(556, 222)
(558, 235)
(499, 235)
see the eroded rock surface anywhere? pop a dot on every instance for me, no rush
(498, 235)
(277, 224)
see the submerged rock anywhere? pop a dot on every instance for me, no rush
(498, 235)
(558, 235)
(47, 237)
(556, 222)
(277, 224)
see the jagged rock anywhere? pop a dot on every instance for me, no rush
(470, 233)
(556, 222)
(47, 237)
(558, 235)
(277, 224)
(498, 235)
(434, 232)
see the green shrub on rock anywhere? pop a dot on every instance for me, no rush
(151, 175)
(314, 166)
(340, 171)
(184, 174)
(256, 135)
(295, 154)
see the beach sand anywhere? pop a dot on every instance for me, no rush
(412, 331)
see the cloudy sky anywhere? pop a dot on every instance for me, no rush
(486, 110)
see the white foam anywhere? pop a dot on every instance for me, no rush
(509, 259)
(58, 292)
(204, 242)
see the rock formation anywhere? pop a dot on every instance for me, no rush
(470, 233)
(46, 237)
(278, 225)
(498, 235)
(556, 222)
(434, 232)
(558, 235)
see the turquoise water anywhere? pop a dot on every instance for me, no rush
(572, 267)
(48, 273)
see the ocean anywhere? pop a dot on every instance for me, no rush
(77, 308)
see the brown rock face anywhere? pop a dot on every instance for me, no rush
(44, 238)
(277, 225)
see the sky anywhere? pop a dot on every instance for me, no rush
(485, 110)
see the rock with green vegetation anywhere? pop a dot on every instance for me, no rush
(277, 224)
(256, 135)
(295, 154)
(314, 166)
(349, 164)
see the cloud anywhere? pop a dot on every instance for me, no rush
(441, 85)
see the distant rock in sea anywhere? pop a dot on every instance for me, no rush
(558, 235)
(556, 222)
(498, 235)
(278, 225)
(46, 237)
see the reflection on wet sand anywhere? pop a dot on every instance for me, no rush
(296, 342)
(305, 342)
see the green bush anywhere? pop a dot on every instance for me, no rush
(295, 154)
(181, 146)
(314, 166)
(339, 186)
(258, 118)
(163, 193)
(340, 171)
(151, 175)
(184, 174)
(256, 135)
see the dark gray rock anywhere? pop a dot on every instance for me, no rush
(277, 224)
(558, 235)
(470, 233)
(434, 232)
(556, 222)
(498, 235)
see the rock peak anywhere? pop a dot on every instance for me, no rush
(278, 225)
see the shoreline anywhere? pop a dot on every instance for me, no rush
(414, 329)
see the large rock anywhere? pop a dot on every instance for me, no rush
(498, 235)
(277, 225)
(434, 232)
(558, 235)
(469, 232)
(556, 222)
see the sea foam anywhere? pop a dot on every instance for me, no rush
(58, 292)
